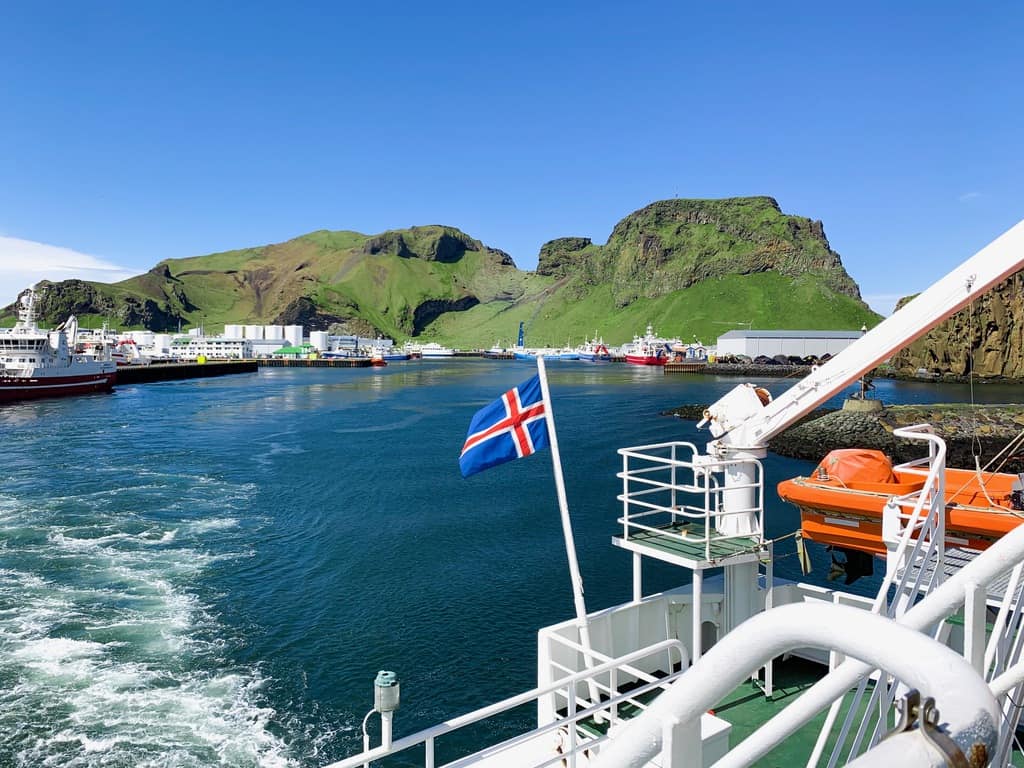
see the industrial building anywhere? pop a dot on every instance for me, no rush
(788, 343)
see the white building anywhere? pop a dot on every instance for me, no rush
(254, 331)
(210, 347)
(234, 332)
(273, 332)
(788, 343)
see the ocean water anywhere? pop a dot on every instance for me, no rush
(211, 572)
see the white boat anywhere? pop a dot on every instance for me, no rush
(732, 666)
(37, 363)
(433, 349)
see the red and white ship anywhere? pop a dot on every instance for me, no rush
(649, 350)
(38, 363)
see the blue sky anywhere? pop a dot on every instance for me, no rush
(134, 132)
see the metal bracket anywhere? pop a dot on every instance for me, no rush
(923, 714)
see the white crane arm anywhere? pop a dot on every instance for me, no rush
(741, 420)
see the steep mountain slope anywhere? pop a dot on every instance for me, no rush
(691, 267)
(986, 337)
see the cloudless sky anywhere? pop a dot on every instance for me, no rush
(134, 132)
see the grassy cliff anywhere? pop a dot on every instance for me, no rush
(690, 267)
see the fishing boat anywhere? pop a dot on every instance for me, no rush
(841, 503)
(733, 666)
(496, 352)
(594, 351)
(37, 363)
(649, 349)
(377, 358)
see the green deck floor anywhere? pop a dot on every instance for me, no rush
(747, 709)
(685, 540)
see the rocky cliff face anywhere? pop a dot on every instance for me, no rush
(76, 297)
(986, 337)
(673, 244)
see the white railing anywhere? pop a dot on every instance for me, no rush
(969, 711)
(608, 684)
(577, 710)
(913, 530)
(666, 484)
(965, 590)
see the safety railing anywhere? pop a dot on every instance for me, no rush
(913, 530)
(669, 490)
(964, 591)
(577, 710)
(969, 711)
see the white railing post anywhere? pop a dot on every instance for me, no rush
(974, 626)
(698, 581)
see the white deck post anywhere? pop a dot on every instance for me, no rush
(698, 583)
(974, 626)
(638, 588)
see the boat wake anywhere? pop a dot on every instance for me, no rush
(108, 653)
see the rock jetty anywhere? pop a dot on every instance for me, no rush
(982, 430)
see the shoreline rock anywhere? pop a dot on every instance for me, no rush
(967, 430)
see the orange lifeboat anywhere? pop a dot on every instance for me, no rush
(841, 502)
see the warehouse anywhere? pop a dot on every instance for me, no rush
(788, 343)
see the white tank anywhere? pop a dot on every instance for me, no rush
(142, 338)
(233, 332)
(254, 331)
(319, 340)
(294, 334)
(273, 332)
(162, 342)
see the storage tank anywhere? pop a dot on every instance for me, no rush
(319, 340)
(254, 331)
(294, 334)
(161, 342)
(273, 332)
(233, 332)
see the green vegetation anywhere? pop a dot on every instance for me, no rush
(689, 267)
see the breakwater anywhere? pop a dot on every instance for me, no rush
(969, 430)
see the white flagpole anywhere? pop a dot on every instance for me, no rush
(570, 545)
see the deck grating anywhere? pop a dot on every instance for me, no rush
(686, 540)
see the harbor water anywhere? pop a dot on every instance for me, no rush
(211, 572)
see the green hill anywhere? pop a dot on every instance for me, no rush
(690, 267)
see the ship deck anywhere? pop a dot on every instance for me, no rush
(685, 544)
(746, 709)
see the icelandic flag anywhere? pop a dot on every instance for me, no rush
(511, 427)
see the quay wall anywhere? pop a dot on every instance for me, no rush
(143, 374)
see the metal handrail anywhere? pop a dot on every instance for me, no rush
(650, 477)
(429, 735)
(969, 711)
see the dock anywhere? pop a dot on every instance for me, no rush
(686, 366)
(337, 362)
(144, 374)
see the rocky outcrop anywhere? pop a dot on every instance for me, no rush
(57, 301)
(561, 256)
(429, 311)
(986, 338)
(673, 244)
(304, 311)
(430, 243)
(965, 429)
